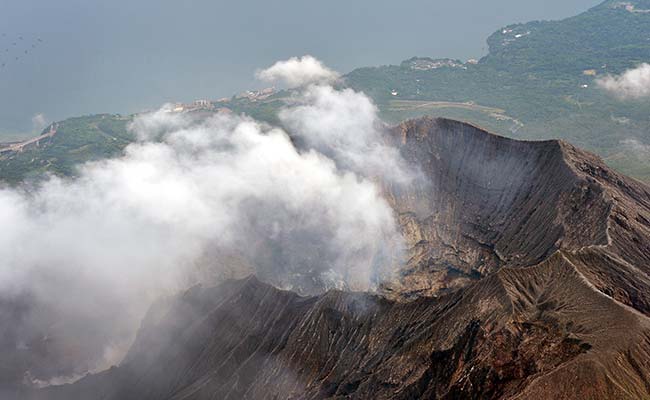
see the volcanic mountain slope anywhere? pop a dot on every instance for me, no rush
(491, 202)
(527, 279)
(538, 81)
(540, 332)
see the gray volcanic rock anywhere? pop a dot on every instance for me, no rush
(541, 332)
(492, 202)
(527, 278)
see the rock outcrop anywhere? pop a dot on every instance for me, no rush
(527, 278)
(491, 202)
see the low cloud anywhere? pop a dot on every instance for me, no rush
(296, 72)
(197, 201)
(155, 124)
(636, 148)
(632, 84)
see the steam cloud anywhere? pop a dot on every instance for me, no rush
(343, 124)
(39, 122)
(296, 72)
(637, 148)
(198, 201)
(632, 84)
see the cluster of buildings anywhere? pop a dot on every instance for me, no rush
(196, 105)
(512, 35)
(426, 64)
(220, 104)
(630, 7)
(256, 95)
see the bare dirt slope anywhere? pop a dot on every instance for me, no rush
(491, 202)
(527, 278)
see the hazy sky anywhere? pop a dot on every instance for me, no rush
(125, 56)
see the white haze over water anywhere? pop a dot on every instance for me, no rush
(203, 199)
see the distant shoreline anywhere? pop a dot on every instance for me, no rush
(9, 137)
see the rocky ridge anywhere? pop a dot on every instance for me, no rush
(527, 277)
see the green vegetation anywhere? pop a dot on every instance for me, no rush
(77, 140)
(607, 38)
(266, 110)
(540, 75)
(537, 82)
(96, 137)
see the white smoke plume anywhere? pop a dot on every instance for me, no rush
(39, 122)
(632, 84)
(296, 72)
(197, 201)
(344, 125)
